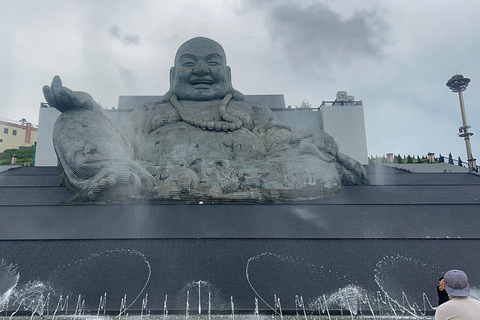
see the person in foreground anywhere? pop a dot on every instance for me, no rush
(202, 141)
(461, 306)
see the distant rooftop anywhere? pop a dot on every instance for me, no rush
(428, 168)
(15, 122)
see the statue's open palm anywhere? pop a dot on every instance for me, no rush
(63, 98)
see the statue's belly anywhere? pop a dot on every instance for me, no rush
(180, 144)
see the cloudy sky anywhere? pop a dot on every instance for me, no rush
(394, 55)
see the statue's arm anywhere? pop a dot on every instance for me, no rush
(269, 128)
(138, 125)
(280, 139)
(322, 145)
(64, 99)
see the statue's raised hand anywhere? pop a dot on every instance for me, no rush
(63, 99)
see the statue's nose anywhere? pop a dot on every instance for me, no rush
(200, 69)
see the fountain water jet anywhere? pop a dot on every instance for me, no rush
(102, 304)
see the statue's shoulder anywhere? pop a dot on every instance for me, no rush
(248, 105)
(259, 113)
(152, 107)
(144, 112)
(157, 105)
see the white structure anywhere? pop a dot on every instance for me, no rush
(343, 119)
(45, 154)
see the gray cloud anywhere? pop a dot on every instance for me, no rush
(129, 79)
(126, 39)
(316, 34)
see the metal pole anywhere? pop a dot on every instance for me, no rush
(465, 127)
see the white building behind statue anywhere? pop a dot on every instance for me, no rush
(342, 119)
(45, 154)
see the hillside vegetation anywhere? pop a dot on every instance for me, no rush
(25, 156)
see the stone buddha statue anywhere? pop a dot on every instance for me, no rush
(202, 142)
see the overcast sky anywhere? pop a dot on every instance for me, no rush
(394, 55)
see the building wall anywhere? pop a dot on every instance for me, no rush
(299, 119)
(45, 153)
(346, 124)
(14, 135)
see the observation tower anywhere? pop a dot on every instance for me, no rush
(458, 83)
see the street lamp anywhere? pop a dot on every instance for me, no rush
(459, 83)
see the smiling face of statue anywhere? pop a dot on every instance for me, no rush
(200, 71)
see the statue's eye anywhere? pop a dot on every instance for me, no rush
(214, 60)
(188, 64)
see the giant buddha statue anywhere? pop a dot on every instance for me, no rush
(202, 142)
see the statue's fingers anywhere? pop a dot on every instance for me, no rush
(81, 101)
(57, 82)
(48, 94)
(65, 98)
(76, 101)
(89, 105)
(61, 94)
(56, 87)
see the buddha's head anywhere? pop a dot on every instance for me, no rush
(200, 71)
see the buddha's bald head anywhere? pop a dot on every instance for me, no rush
(200, 71)
(200, 46)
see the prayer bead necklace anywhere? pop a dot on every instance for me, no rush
(230, 123)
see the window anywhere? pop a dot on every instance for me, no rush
(1, 140)
(14, 132)
(5, 130)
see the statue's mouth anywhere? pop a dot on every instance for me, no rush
(201, 82)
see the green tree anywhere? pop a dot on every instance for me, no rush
(460, 163)
(419, 160)
(305, 105)
(399, 159)
(441, 159)
(450, 158)
(409, 159)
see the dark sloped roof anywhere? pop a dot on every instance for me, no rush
(397, 204)
(397, 230)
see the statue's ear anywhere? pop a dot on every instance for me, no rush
(236, 95)
(229, 75)
(170, 92)
(172, 76)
